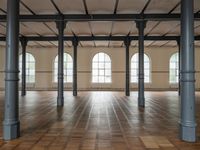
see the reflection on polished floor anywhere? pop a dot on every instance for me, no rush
(99, 121)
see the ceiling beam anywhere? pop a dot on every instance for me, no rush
(100, 38)
(100, 17)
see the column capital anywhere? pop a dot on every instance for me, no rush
(75, 42)
(127, 41)
(178, 41)
(24, 41)
(141, 23)
(61, 23)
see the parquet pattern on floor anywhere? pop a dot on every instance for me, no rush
(99, 121)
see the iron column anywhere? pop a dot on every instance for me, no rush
(23, 77)
(179, 67)
(127, 44)
(60, 26)
(141, 100)
(187, 122)
(11, 124)
(75, 44)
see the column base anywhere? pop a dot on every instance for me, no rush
(188, 133)
(127, 94)
(60, 101)
(11, 130)
(75, 93)
(23, 93)
(141, 102)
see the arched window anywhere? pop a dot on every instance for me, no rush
(134, 68)
(30, 68)
(101, 68)
(68, 68)
(174, 68)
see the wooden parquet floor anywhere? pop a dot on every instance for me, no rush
(99, 121)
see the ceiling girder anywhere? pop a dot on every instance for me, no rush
(101, 38)
(100, 17)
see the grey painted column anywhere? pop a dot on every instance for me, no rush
(141, 26)
(23, 78)
(179, 67)
(75, 44)
(127, 44)
(11, 124)
(60, 26)
(188, 121)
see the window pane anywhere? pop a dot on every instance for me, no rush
(95, 72)
(101, 72)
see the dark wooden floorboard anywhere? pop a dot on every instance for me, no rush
(99, 121)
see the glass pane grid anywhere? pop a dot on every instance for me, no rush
(30, 68)
(174, 68)
(101, 68)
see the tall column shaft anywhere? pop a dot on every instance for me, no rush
(141, 99)
(61, 26)
(75, 44)
(179, 67)
(187, 122)
(127, 86)
(23, 88)
(11, 124)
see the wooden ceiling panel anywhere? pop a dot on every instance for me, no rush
(3, 6)
(87, 43)
(2, 28)
(130, 6)
(164, 27)
(161, 6)
(53, 27)
(40, 6)
(80, 28)
(46, 44)
(116, 43)
(101, 43)
(158, 43)
(146, 43)
(122, 28)
(35, 28)
(149, 26)
(68, 43)
(101, 27)
(32, 43)
(100, 7)
(70, 6)
(171, 44)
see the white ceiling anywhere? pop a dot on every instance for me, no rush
(99, 28)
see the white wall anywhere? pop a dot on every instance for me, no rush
(45, 57)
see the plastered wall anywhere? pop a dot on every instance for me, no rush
(159, 57)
